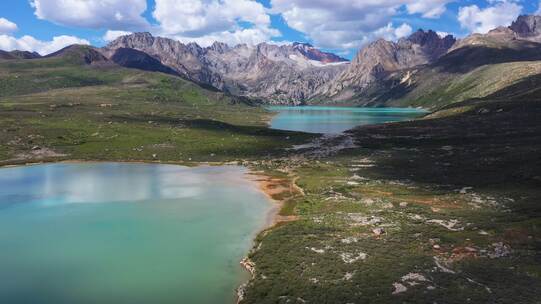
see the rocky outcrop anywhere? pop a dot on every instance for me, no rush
(312, 53)
(528, 27)
(381, 58)
(276, 73)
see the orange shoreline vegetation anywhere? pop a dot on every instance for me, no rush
(280, 191)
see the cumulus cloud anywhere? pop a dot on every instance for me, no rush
(7, 26)
(443, 34)
(112, 35)
(203, 21)
(477, 20)
(102, 14)
(251, 36)
(349, 23)
(428, 8)
(391, 33)
(29, 43)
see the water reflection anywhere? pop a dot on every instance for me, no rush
(106, 182)
(125, 233)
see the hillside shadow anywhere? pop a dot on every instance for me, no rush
(210, 125)
(495, 143)
(468, 58)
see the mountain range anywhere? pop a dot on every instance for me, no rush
(424, 69)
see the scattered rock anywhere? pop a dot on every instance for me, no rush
(248, 265)
(349, 258)
(465, 190)
(500, 250)
(483, 111)
(450, 224)
(441, 267)
(399, 288)
(378, 231)
(403, 204)
(387, 206)
(320, 251)
(362, 220)
(416, 217)
(413, 278)
(349, 240)
(367, 201)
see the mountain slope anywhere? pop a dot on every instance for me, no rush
(386, 74)
(281, 74)
(18, 55)
(135, 59)
(478, 66)
(381, 58)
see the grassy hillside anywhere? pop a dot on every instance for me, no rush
(433, 88)
(64, 108)
(479, 66)
(440, 210)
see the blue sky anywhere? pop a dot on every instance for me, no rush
(342, 26)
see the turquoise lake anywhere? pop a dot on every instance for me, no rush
(126, 233)
(334, 120)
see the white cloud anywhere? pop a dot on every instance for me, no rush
(389, 32)
(443, 34)
(29, 43)
(102, 14)
(251, 36)
(203, 21)
(112, 35)
(7, 26)
(428, 8)
(478, 20)
(350, 23)
(403, 31)
(538, 12)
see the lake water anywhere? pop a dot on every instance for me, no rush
(334, 120)
(125, 233)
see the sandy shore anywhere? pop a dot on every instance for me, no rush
(279, 191)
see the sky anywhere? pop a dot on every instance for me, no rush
(339, 26)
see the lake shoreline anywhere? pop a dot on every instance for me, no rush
(278, 191)
(269, 186)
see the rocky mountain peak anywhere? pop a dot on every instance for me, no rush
(527, 26)
(302, 44)
(381, 58)
(219, 47)
(312, 53)
(282, 73)
(431, 39)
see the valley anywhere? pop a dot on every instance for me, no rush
(442, 206)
